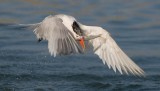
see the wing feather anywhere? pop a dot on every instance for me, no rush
(111, 54)
(60, 39)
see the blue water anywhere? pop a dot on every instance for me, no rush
(26, 65)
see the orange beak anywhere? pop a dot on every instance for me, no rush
(81, 42)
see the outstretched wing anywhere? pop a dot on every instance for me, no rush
(110, 53)
(60, 39)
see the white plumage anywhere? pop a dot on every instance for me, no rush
(62, 40)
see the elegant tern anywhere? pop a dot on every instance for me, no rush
(65, 35)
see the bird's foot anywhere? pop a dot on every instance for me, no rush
(39, 40)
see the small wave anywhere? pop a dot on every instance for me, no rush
(98, 85)
(84, 76)
(134, 86)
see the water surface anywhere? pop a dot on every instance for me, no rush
(26, 65)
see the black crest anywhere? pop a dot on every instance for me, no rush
(76, 28)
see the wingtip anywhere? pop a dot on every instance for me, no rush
(138, 74)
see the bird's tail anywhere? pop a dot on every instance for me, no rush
(30, 26)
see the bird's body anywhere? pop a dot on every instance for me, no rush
(63, 33)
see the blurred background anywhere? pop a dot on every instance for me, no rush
(26, 65)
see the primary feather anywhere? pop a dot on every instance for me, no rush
(110, 53)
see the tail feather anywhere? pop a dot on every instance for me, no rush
(30, 26)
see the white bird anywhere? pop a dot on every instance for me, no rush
(65, 35)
